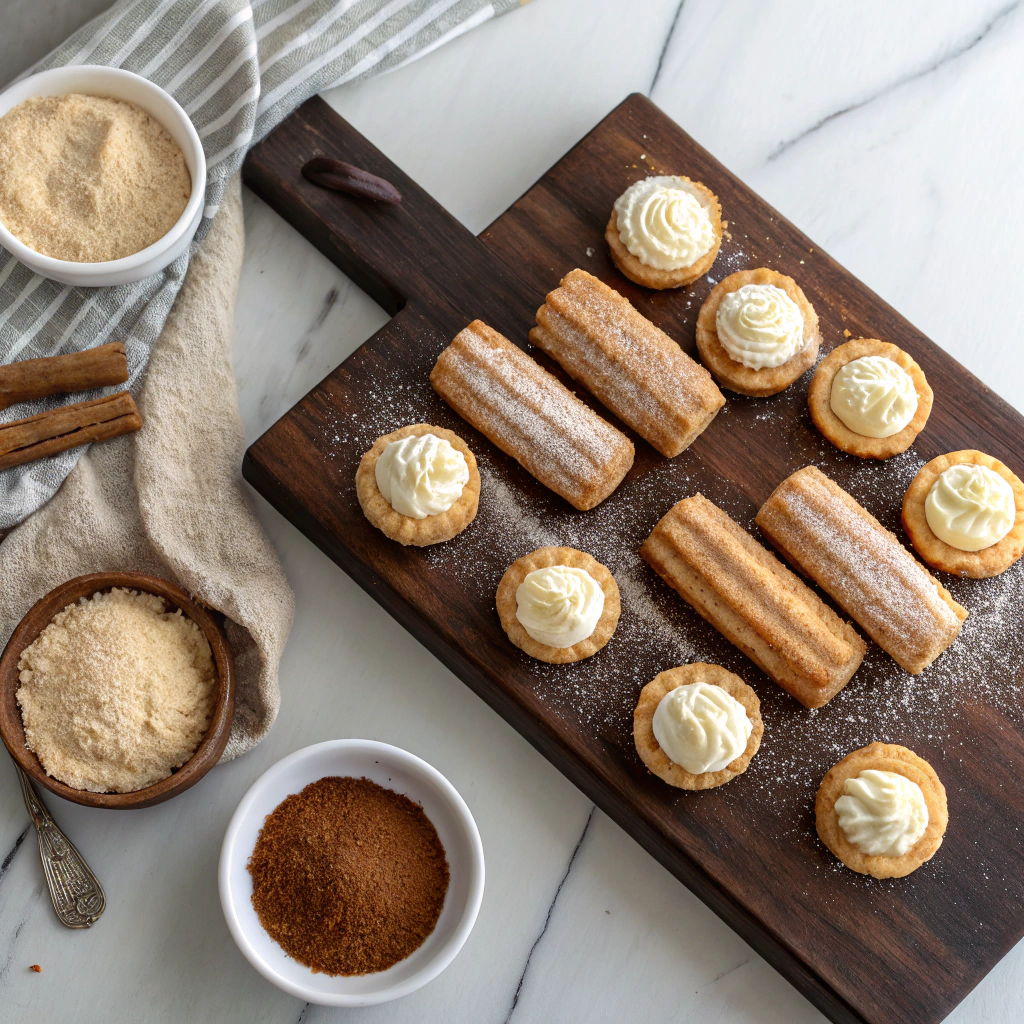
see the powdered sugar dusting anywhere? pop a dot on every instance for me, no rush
(978, 679)
(632, 366)
(862, 567)
(505, 394)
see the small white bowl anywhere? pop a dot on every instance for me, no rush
(392, 768)
(95, 80)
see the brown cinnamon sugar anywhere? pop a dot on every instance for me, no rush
(88, 178)
(348, 877)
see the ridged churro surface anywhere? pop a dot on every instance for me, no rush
(532, 416)
(631, 366)
(826, 534)
(758, 604)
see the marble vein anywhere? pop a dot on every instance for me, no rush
(665, 46)
(329, 300)
(730, 970)
(9, 959)
(547, 917)
(308, 339)
(13, 851)
(955, 54)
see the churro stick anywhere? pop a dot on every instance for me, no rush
(754, 601)
(531, 416)
(826, 534)
(631, 366)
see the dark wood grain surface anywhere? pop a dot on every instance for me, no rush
(883, 952)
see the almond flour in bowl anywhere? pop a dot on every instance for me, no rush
(89, 179)
(116, 692)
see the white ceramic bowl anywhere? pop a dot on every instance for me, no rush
(395, 769)
(94, 80)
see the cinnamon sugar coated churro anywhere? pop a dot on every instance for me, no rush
(754, 601)
(826, 534)
(531, 416)
(634, 368)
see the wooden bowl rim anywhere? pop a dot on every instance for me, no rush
(207, 754)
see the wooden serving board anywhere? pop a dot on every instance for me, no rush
(902, 951)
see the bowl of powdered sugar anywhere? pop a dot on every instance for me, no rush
(116, 690)
(102, 175)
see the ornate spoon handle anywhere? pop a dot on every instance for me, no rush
(76, 892)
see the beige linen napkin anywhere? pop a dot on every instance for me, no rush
(169, 499)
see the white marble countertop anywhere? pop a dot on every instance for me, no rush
(891, 134)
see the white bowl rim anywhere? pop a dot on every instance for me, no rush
(42, 263)
(444, 956)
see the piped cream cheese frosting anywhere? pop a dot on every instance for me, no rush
(882, 813)
(760, 326)
(559, 605)
(701, 727)
(665, 222)
(874, 396)
(421, 476)
(970, 507)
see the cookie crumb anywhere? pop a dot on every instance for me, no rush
(846, 330)
(36, 968)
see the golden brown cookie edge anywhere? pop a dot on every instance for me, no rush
(404, 529)
(652, 277)
(832, 428)
(884, 757)
(647, 746)
(734, 375)
(505, 601)
(987, 562)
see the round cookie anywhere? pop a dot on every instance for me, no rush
(505, 599)
(884, 757)
(652, 277)
(734, 375)
(647, 745)
(990, 561)
(819, 400)
(405, 529)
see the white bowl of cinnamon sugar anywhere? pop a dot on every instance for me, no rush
(351, 873)
(102, 175)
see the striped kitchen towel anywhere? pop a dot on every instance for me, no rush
(238, 68)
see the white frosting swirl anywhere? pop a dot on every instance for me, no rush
(421, 476)
(874, 396)
(760, 326)
(665, 222)
(970, 507)
(559, 605)
(882, 813)
(701, 727)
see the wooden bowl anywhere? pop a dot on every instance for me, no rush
(207, 754)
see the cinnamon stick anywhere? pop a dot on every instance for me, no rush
(54, 375)
(67, 427)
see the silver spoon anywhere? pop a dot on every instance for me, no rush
(76, 892)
